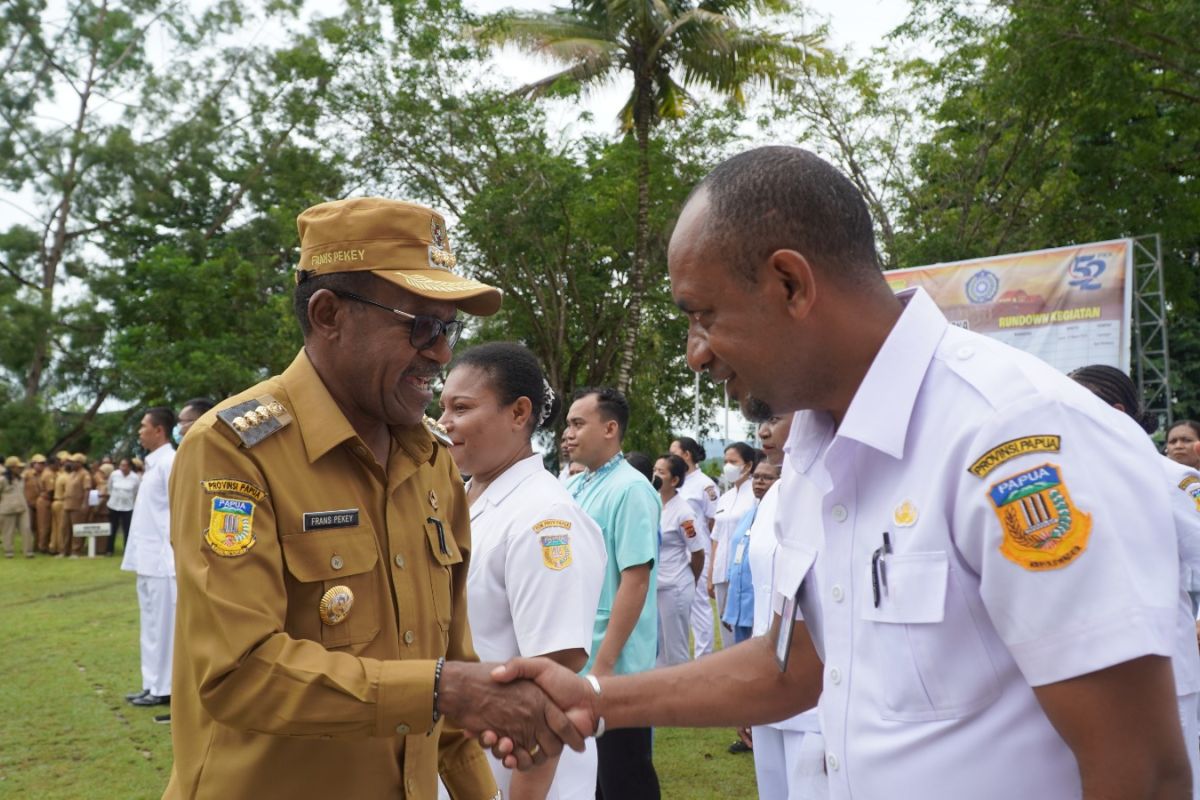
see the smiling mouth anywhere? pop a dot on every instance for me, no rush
(419, 381)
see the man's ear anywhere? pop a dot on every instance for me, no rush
(325, 314)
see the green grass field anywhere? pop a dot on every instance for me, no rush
(69, 653)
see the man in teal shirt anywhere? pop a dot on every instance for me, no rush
(625, 639)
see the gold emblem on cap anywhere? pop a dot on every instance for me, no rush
(433, 499)
(336, 605)
(905, 515)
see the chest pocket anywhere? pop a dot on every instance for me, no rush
(321, 560)
(937, 666)
(444, 557)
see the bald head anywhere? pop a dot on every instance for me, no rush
(786, 198)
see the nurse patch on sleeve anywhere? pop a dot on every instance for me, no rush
(230, 526)
(1041, 528)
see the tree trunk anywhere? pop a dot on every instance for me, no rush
(642, 119)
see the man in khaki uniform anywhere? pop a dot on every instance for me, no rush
(75, 509)
(14, 513)
(45, 516)
(60, 543)
(32, 477)
(321, 537)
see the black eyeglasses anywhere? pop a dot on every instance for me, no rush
(424, 330)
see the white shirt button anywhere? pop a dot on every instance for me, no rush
(838, 594)
(835, 676)
(839, 513)
(399, 561)
(402, 729)
(965, 352)
(409, 636)
(336, 562)
(832, 762)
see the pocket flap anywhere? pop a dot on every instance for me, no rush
(329, 555)
(442, 545)
(915, 590)
(792, 563)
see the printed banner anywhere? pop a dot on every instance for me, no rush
(1069, 306)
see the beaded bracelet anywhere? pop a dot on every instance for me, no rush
(437, 687)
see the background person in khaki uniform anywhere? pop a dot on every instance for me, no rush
(322, 542)
(31, 476)
(45, 517)
(14, 513)
(59, 543)
(75, 509)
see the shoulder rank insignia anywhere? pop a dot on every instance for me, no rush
(1045, 443)
(1041, 528)
(255, 420)
(711, 491)
(437, 431)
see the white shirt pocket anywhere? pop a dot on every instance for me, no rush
(923, 645)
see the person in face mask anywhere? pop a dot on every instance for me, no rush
(684, 538)
(740, 460)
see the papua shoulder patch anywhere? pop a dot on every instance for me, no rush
(1191, 485)
(1044, 443)
(230, 486)
(255, 420)
(711, 491)
(565, 524)
(230, 526)
(556, 551)
(1041, 529)
(689, 528)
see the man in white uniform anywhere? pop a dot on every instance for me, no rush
(148, 553)
(700, 490)
(982, 550)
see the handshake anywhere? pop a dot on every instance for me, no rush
(525, 710)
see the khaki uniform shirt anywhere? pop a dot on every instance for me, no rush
(12, 494)
(60, 485)
(268, 699)
(32, 487)
(75, 498)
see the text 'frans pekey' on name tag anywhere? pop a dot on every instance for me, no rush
(324, 520)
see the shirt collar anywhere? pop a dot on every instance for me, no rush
(881, 409)
(506, 482)
(154, 457)
(594, 476)
(322, 424)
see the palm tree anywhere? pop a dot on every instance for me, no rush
(655, 42)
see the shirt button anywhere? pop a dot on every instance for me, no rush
(408, 637)
(835, 676)
(839, 513)
(838, 594)
(832, 762)
(399, 561)
(402, 729)
(965, 352)
(412, 787)
(336, 562)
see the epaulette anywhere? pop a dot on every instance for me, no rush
(255, 420)
(437, 431)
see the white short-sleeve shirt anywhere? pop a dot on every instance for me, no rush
(1184, 490)
(683, 532)
(731, 507)
(701, 491)
(537, 563)
(1029, 540)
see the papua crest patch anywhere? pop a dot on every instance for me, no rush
(711, 491)
(1191, 486)
(1041, 528)
(556, 551)
(689, 528)
(1045, 443)
(230, 526)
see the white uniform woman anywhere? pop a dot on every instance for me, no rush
(789, 756)
(684, 540)
(740, 460)
(537, 559)
(1114, 387)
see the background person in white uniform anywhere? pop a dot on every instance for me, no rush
(1115, 388)
(701, 491)
(789, 755)
(148, 553)
(683, 541)
(740, 459)
(978, 667)
(537, 560)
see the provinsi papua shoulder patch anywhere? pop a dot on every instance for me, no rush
(230, 526)
(231, 486)
(1042, 443)
(1041, 528)
(538, 527)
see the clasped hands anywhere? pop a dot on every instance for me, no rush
(525, 710)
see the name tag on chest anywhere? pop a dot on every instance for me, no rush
(324, 520)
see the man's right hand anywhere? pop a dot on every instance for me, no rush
(516, 709)
(566, 690)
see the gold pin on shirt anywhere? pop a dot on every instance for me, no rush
(336, 605)
(433, 499)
